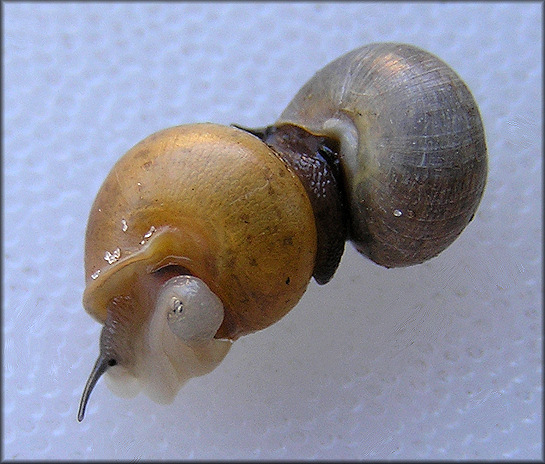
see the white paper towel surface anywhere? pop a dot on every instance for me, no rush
(441, 360)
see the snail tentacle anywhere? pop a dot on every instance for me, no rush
(100, 367)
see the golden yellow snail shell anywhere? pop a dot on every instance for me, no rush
(199, 197)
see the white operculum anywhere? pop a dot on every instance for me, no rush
(179, 342)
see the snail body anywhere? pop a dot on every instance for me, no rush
(203, 233)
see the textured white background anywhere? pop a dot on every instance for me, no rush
(442, 360)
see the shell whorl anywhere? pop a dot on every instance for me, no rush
(413, 148)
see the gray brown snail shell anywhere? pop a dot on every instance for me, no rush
(203, 233)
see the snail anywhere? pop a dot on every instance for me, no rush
(203, 233)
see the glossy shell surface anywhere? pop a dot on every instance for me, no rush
(212, 200)
(412, 145)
